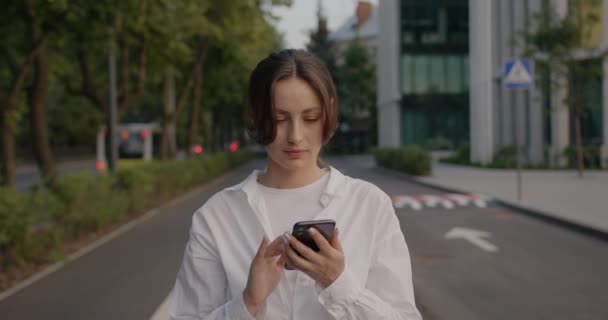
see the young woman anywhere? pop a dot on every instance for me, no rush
(231, 270)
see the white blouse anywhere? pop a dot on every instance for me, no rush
(225, 235)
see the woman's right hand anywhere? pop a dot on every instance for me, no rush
(265, 273)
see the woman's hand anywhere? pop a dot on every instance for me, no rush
(265, 273)
(324, 266)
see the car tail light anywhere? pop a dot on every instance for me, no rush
(143, 134)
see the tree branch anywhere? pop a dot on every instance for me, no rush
(21, 73)
(12, 62)
(88, 88)
(128, 99)
(186, 92)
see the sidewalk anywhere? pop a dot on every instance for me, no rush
(558, 194)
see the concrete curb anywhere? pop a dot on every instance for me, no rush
(106, 238)
(531, 212)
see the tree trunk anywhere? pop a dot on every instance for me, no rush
(168, 137)
(38, 114)
(193, 131)
(579, 144)
(8, 152)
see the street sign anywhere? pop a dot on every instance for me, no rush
(518, 73)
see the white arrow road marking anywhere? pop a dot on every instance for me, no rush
(474, 236)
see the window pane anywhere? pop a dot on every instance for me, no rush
(407, 82)
(421, 74)
(465, 72)
(437, 72)
(454, 74)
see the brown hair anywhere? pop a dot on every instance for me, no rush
(282, 65)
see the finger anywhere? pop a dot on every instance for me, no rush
(319, 239)
(276, 247)
(335, 241)
(281, 261)
(302, 249)
(263, 246)
(298, 262)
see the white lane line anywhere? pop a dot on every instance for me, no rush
(162, 312)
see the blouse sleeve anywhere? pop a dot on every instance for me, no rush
(388, 292)
(201, 285)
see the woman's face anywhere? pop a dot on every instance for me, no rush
(299, 118)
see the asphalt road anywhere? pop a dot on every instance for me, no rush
(28, 175)
(522, 268)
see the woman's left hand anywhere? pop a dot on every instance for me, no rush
(324, 266)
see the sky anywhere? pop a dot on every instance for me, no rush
(295, 22)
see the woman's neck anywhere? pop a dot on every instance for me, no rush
(280, 178)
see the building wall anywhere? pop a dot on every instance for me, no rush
(387, 59)
(498, 116)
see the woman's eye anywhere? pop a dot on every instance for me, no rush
(311, 120)
(281, 120)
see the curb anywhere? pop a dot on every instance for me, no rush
(106, 238)
(531, 212)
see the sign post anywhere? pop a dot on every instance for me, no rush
(518, 74)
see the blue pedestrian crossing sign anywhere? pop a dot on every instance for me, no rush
(518, 73)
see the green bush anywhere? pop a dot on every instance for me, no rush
(409, 159)
(591, 156)
(439, 143)
(32, 225)
(503, 159)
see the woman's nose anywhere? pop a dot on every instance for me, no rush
(295, 133)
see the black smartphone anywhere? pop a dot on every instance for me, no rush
(300, 232)
(325, 227)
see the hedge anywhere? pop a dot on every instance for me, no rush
(409, 159)
(33, 225)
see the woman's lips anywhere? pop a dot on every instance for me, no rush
(295, 154)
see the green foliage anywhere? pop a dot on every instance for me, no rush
(409, 159)
(439, 143)
(33, 225)
(503, 159)
(591, 156)
(321, 46)
(357, 81)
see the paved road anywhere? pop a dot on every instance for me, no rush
(538, 271)
(28, 176)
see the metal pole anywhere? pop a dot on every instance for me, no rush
(517, 148)
(112, 127)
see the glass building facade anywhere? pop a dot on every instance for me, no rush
(434, 71)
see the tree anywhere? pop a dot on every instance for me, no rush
(558, 46)
(319, 43)
(18, 56)
(357, 94)
(37, 15)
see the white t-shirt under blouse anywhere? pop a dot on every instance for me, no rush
(288, 206)
(225, 235)
(285, 207)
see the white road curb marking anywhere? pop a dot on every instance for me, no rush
(447, 201)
